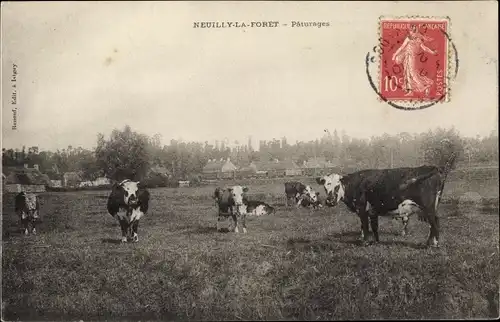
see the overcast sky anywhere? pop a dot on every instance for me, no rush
(85, 68)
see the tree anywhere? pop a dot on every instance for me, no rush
(438, 146)
(88, 166)
(124, 156)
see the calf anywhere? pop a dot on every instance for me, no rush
(306, 201)
(258, 208)
(301, 194)
(399, 191)
(232, 202)
(134, 200)
(27, 206)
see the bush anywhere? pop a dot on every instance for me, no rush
(156, 180)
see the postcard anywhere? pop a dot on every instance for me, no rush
(249, 160)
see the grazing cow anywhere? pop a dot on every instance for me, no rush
(232, 202)
(129, 196)
(306, 201)
(301, 194)
(26, 205)
(258, 208)
(399, 191)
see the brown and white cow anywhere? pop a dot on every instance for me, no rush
(134, 200)
(397, 192)
(232, 202)
(27, 207)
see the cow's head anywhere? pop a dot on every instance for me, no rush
(311, 194)
(238, 196)
(130, 189)
(333, 187)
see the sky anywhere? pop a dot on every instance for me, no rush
(90, 67)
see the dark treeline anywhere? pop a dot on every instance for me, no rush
(128, 154)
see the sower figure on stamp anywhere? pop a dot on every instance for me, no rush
(407, 56)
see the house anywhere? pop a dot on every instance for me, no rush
(316, 166)
(219, 169)
(101, 181)
(248, 171)
(72, 179)
(56, 183)
(17, 179)
(55, 179)
(277, 168)
(291, 168)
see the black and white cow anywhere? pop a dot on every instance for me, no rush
(258, 208)
(232, 202)
(303, 195)
(134, 200)
(306, 201)
(398, 192)
(27, 206)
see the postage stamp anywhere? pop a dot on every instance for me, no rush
(414, 59)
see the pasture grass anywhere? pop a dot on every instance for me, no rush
(296, 264)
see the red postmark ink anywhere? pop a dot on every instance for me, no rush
(413, 59)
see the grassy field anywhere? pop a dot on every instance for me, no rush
(296, 264)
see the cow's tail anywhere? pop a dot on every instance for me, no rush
(445, 170)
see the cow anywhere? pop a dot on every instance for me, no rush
(300, 193)
(306, 201)
(27, 206)
(398, 192)
(259, 208)
(232, 202)
(134, 200)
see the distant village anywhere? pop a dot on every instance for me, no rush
(186, 163)
(16, 179)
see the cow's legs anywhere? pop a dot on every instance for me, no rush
(361, 234)
(244, 222)
(364, 226)
(299, 201)
(33, 224)
(135, 226)
(25, 223)
(374, 225)
(434, 229)
(219, 218)
(405, 220)
(124, 226)
(235, 220)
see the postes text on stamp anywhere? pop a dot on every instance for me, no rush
(414, 59)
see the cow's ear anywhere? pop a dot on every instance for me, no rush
(320, 180)
(245, 189)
